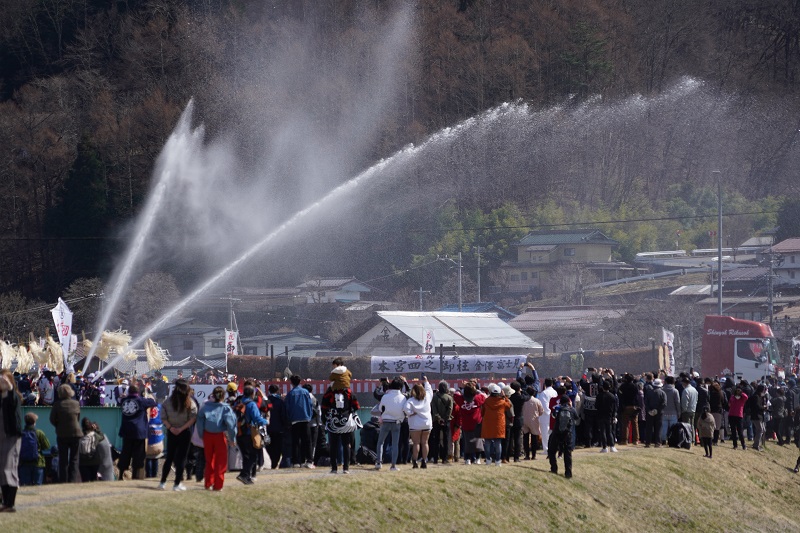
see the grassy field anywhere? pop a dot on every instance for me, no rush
(657, 489)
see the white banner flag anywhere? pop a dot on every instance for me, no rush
(428, 342)
(231, 342)
(667, 339)
(62, 317)
(449, 364)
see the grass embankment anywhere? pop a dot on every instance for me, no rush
(637, 489)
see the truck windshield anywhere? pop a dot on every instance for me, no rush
(759, 350)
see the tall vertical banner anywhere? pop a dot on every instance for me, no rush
(428, 342)
(667, 339)
(62, 317)
(231, 342)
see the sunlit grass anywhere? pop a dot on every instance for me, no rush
(657, 489)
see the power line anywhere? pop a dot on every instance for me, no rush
(593, 223)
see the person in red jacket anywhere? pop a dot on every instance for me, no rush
(735, 416)
(469, 417)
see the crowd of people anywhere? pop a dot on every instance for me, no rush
(168, 428)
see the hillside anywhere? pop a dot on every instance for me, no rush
(656, 489)
(571, 112)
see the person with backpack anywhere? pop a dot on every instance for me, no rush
(90, 459)
(249, 418)
(31, 459)
(65, 418)
(178, 413)
(562, 439)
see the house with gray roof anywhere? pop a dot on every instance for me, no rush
(539, 252)
(787, 269)
(333, 290)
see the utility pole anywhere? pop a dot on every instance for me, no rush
(478, 250)
(458, 264)
(719, 241)
(420, 291)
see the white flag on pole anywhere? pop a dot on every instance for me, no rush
(428, 342)
(62, 317)
(231, 342)
(668, 338)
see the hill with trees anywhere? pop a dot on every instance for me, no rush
(619, 113)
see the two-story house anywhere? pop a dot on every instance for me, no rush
(333, 290)
(540, 252)
(787, 269)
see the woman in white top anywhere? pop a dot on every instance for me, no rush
(420, 422)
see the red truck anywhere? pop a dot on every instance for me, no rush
(742, 348)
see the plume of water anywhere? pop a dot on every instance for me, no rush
(169, 165)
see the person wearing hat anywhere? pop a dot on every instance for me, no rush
(493, 429)
(655, 401)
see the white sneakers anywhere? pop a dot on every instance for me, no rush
(162, 486)
(180, 487)
(467, 462)
(614, 449)
(497, 463)
(604, 450)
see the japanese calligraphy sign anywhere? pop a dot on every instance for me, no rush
(449, 364)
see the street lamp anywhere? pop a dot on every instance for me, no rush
(458, 264)
(678, 351)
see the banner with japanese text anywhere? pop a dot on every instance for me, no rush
(668, 339)
(449, 364)
(231, 342)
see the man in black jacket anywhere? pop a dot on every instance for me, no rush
(629, 410)
(655, 400)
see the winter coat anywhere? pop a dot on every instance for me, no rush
(494, 417)
(441, 407)
(419, 411)
(689, 400)
(391, 406)
(531, 411)
(470, 413)
(736, 406)
(216, 417)
(134, 416)
(706, 426)
(655, 399)
(606, 406)
(673, 406)
(299, 406)
(65, 417)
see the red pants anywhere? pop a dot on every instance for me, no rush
(216, 452)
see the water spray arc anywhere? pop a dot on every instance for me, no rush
(398, 158)
(182, 136)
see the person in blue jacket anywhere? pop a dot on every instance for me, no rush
(216, 425)
(299, 410)
(133, 431)
(252, 417)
